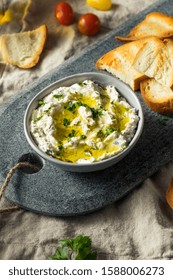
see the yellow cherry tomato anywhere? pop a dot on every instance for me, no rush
(102, 5)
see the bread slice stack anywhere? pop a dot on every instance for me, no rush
(119, 62)
(155, 60)
(23, 49)
(155, 24)
(146, 63)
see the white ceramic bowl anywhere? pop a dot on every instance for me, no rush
(102, 79)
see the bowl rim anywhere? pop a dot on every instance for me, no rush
(97, 163)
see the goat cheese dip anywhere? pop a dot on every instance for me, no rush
(83, 123)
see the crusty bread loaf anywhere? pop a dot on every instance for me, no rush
(23, 49)
(155, 60)
(119, 63)
(158, 97)
(155, 24)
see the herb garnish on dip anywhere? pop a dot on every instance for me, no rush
(83, 123)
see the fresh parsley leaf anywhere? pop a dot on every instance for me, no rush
(96, 112)
(41, 102)
(37, 119)
(60, 254)
(83, 137)
(80, 84)
(164, 120)
(82, 104)
(58, 96)
(100, 133)
(78, 103)
(70, 106)
(72, 134)
(60, 146)
(66, 122)
(47, 111)
(109, 130)
(79, 248)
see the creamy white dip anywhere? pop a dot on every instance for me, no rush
(83, 123)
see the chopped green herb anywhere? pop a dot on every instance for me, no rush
(60, 146)
(37, 119)
(72, 134)
(46, 111)
(41, 102)
(70, 106)
(80, 84)
(164, 120)
(96, 112)
(83, 137)
(109, 130)
(79, 248)
(82, 104)
(100, 133)
(66, 122)
(58, 155)
(58, 96)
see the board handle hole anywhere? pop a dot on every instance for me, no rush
(35, 163)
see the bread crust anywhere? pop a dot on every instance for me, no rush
(163, 105)
(43, 30)
(119, 63)
(155, 60)
(169, 194)
(155, 24)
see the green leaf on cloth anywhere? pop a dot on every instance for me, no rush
(79, 248)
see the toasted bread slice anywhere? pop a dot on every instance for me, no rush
(158, 97)
(155, 60)
(119, 63)
(23, 49)
(155, 24)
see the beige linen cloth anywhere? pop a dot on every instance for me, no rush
(140, 226)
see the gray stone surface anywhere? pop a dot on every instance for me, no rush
(56, 192)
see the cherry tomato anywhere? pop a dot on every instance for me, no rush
(64, 13)
(102, 5)
(89, 24)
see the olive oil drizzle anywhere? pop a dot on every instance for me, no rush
(64, 131)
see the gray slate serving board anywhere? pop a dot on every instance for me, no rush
(55, 192)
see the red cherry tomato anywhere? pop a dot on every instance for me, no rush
(89, 24)
(64, 13)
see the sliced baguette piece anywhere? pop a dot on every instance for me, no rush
(155, 60)
(23, 49)
(155, 24)
(158, 97)
(119, 63)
